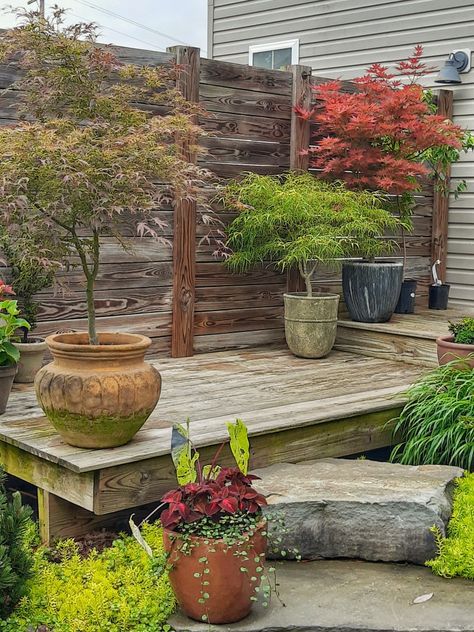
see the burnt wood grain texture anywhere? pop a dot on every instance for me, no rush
(439, 235)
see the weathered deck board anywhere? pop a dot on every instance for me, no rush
(269, 388)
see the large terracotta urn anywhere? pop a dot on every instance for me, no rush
(232, 574)
(98, 396)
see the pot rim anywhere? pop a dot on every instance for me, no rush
(448, 341)
(65, 343)
(262, 523)
(303, 296)
(32, 342)
(362, 262)
(9, 369)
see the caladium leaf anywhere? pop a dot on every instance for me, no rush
(182, 454)
(239, 444)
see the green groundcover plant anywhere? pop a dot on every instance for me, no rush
(120, 589)
(456, 551)
(436, 426)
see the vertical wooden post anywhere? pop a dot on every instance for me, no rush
(439, 229)
(184, 238)
(299, 142)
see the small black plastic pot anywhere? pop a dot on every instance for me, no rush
(438, 297)
(406, 300)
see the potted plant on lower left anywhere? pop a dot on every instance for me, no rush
(214, 532)
(10, 323)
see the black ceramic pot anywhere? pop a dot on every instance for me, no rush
(371, 289)
(406, 300)
(439, 295)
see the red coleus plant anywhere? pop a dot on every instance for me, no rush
(230, 492)
(5, 290)
(210, 491)
(379, 136)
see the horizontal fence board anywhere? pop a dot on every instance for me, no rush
(239, 101)
(230, 320)
(238, 340)
(107, 303)
(245, 126)
(227, 74)
(238, 297)
(248, 152)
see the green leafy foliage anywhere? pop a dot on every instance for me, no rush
(456, 552)
(239, 444)
(9, 324)
(299, 221)
(183, 455)
(463, 331)
(16, 559)
(436, 426)
(118, 590)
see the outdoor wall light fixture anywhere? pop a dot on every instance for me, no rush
(458, 61)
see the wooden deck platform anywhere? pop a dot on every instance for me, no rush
(295, 409)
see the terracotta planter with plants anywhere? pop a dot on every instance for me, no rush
(31, 359)
(448, 350)
(459, 344)
(310, 323)
(98, 396)
(230, 588)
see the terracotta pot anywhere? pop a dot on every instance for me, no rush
(230, 589)
(98, 396)
(7, 374)
(449, 350)
(31, 359)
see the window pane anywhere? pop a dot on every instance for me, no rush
(282, 58)
(263, 59)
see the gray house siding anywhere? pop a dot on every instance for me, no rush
(340, 38)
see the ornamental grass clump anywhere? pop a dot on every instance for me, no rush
(456, 551)
(299, 221)
(89, 162)
(436, 426)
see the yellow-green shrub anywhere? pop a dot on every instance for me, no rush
(456, 552)
(118, 590)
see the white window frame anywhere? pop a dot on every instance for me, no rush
(294, 44)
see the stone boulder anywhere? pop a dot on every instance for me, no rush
(343, 508)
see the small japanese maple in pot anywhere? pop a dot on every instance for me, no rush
(215, 536)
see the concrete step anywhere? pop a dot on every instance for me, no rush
(354, 596)
(343, 508)
(406, 337)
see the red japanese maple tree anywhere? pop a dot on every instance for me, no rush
(379, 136)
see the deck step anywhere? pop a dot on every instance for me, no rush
(346, 508)
(353, 596)
(407, 338)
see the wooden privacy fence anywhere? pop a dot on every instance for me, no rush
(183, 298)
